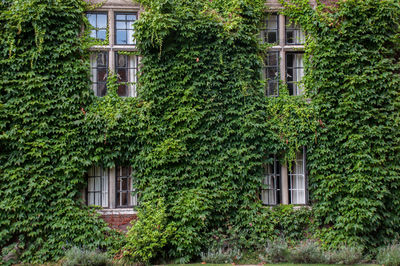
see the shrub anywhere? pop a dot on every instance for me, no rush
(221, 256)
(345, 255)
(149, 234)
(307, 252)
(276, 251)
(77, 256)
(390, 255)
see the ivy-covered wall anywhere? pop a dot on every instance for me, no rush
(201, 127)
(353, 80)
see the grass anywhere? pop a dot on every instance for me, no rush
(280, 264)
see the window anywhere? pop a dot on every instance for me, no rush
(115, 28)
(125, 197)
(284, 61)
(285, 186)
(271, 73)
(294, 72)
(294, 35)
(124, 28)
(126, 69)
(99, 69)
(97, 191)
(271, 194)
(297, 181)
(98, 20)
(271, 32)
(111, 188)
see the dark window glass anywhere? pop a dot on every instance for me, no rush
(271, 32)
(126, 69)
(98, 21)
(294, 35)
(125, 197)
(271, 73)
(294, 72)
(99, 72)
(124, 28)
(271, 192)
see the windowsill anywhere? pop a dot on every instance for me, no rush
(117, 211)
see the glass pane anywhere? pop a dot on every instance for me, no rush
(101, 89)
(101, 35)
(97, 171)
(97, 199)
(122, 77)
(272, 22)
(272, 38)
(125, 171)
(289, 60)
(121, 62)
(101, 59)
(130, 37)
(289, 37)
(130, 24)
(124, 198)
(272, 73)
(121, 37)
(102, 21)
(91, 184)
(121, 25)
(92, 19)
(123, 90)
(93, 33)
(131, 17)
(97, 184)
(121, 17)
(272, 89)
(91, 199)
(272, 59)
(124, 183)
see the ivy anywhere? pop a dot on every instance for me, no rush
(43, 159)
(353, 80)
(201, 129)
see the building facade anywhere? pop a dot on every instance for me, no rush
(112, 28)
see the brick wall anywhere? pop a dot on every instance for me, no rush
(119, 221)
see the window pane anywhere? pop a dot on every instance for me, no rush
(93, 33)
(131, 17)
(294, 34)
(121, 25)
(130, 37)
(270, 194)
(101, 21)
(124, 28)
(130, 25)
(271, 31)
(121, 37)
(124, 187)
(92, 19)
(101, 89)
(101, 35)
(295, 72)
(297, 181)
(121, 17)
(121, 60)
(271, 74)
